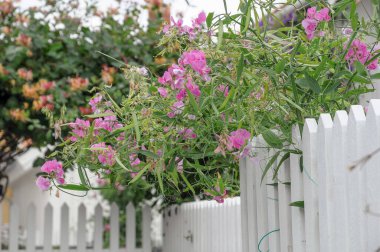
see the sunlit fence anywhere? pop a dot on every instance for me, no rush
(15, 240)
(335, 193)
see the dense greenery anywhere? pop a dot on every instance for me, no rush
(183, 132)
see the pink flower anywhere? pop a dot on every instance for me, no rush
(193, 88)
(223, 89)
(177, 109)
(53, 167)
(181, 95)
(187, 134)
(311, 12)
(323, 15)
(94, 101)
(165, 79)
(106, 154)
(219, 197)
(163, 92)
(135, 161)
(359, 52)
(199, 20)
(238, 138)
(79, 129)
(43, 183)
(179, 164)
(191, 117)
(101, 182)
(309, 25)
(197, 60)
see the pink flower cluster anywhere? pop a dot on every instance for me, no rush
(108, 123)
(187, 134)
(180, 29)
(79, 129)
(95, 101)
(55, 170)
(312, 20)
(106, 154)
(238, 139)
(359, 52)
(180, 80)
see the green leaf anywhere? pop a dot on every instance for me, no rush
(220, 34)
(354, 16)
(375, 76)
(138, 176)
(121, 164)
(283, 159)
(74, 187)
(225, 102)
(300, 204)
(99, 115)
(193, 102)
(136, 125)
(240, 68)
(187, 183)
(360, 68)
(269, 165)
(148, 154)
(280, 66)
(309, 82)
(272, 139)
(209, 18)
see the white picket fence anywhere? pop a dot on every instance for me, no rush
(82, 244)
(204, 226)
(341, 201)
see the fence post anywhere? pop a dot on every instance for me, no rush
(31, 228)
(324, 151)
(13, 228)
(114, 232)
(98, 229)
(64, 246)
(48, 228)
(81, 235)
(146, 229)
(285, 218)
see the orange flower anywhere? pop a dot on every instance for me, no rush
(24, 40)
(6, 7)
(22, 19)
(78, 83)
(18, 115)
(3, 71)
(46, 85)
(25, 74)
(107, 74)
(6, 30)
(31, 92)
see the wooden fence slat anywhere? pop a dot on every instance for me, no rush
(373, 175)
(13, 228)
(324, 156)
(48, 228)
(98, 229)
(114, 231)
(285, 218)
(244, 203)
(339, 231)
(146, 229)
(297, 195)
(261, 197)
(355, 179)
(81, 235)
(310, 179)
(272, 202)
(31, 228)
(131, 227)
(64, 234)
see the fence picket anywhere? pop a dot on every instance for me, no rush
(81, 235)
(31, 228)
(297, 195)
(285, 218)
(339, 231)
(13, 228)
(324, 151)
(243, 169)
(98, 229)
(146, 229)
(48, 228)
(131, 227)
(356, 125)
(64, 235)
(373, 175)
(114, 223)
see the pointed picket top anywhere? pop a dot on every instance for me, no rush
(114, 222)
(48, 228)
(296, 136)
(81, 235)
(64, 235)
(374, 107)
(98, 228)
(340, 119)
(31, 228)
(325, 121)
(356, 113)
(310, 127)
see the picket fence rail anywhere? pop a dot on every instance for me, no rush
(204, 226)
(96, 245)
(339, 188)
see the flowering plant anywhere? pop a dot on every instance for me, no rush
(49, 61)
(184, 131)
